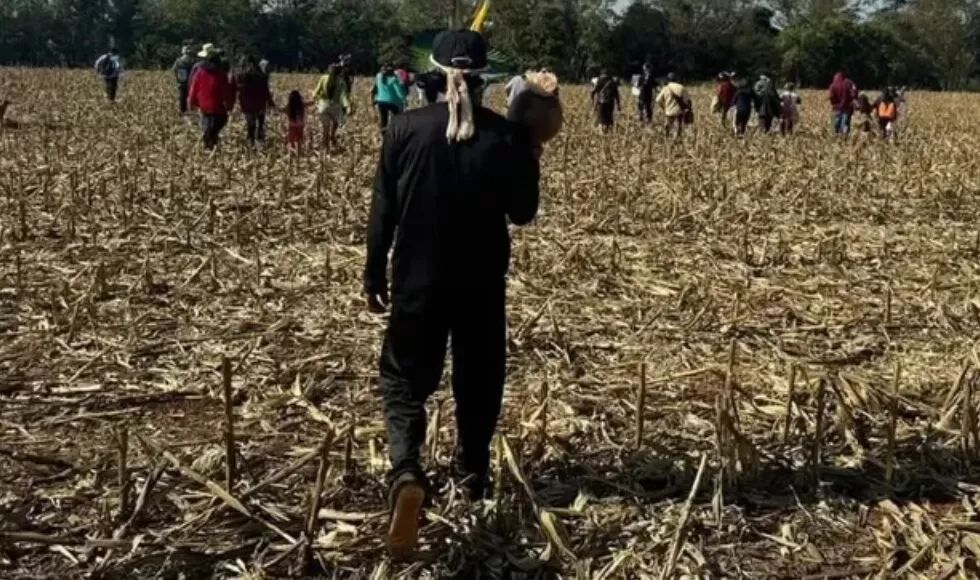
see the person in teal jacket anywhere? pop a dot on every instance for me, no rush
(389, 95)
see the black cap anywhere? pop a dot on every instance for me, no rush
(462, 49)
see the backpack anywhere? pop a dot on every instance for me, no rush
(687, 111)
(183, 71)
(887, 111)
(108, 67)
(607, 93)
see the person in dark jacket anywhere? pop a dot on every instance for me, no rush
(767, 103)
(647, 86)
(605, 100)
(450, 177)
(214, 95)
(254, 98)
(743, 101)
(182, 68)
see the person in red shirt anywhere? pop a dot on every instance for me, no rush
(724, 96)
(843, 93)
(212, 94)
(254, 98)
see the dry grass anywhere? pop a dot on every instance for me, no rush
(131, 265)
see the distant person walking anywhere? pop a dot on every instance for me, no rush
(212, 94)
(183, 68)
(886, 111)
(767, 101)
(605, 101)
(724, 96)
(332, 98)
(743, 101)
(296, 116)
(790, 102)
(647, 87)
(864, 110)
(675, 103)
(254, 98)
(389, 95)
(842, 95)
(110, 68)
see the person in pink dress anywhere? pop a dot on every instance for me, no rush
(296, 118)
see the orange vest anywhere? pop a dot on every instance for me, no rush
(887, 111)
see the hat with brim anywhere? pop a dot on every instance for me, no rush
(208, 50)
(461, 50)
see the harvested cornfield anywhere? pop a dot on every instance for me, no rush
(727, 359)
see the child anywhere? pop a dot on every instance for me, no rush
(864, 110)
(886, 110)
(790, 105)
(296, 116)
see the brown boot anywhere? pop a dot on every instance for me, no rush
(407, 498)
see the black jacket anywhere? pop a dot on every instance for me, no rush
(743, 101)
(647, 86)
(445, 205)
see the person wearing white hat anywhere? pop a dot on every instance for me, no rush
(451, 177)
(208, 50)
(213, 95)
(182, 68)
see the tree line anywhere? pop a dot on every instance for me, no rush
(920, 43)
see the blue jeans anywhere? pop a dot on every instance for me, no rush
(842, 123)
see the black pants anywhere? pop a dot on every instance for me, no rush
(646, 111)
(111, 88)
(765, 123)
(211, 126)
(385, 112)
(183, 90)
(411, 368)
(742, 122)
(255, 127)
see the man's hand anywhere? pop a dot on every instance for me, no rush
(377, 303)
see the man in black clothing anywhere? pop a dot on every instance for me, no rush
(448, 180)
(648, 88)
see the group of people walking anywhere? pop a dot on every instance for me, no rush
(735, 100)
(762, 97)
(846, 101)
(673, 100)
(207, 83)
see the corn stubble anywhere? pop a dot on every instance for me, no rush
(760, 357)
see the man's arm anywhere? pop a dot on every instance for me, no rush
(383, 217)
(521, 181)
